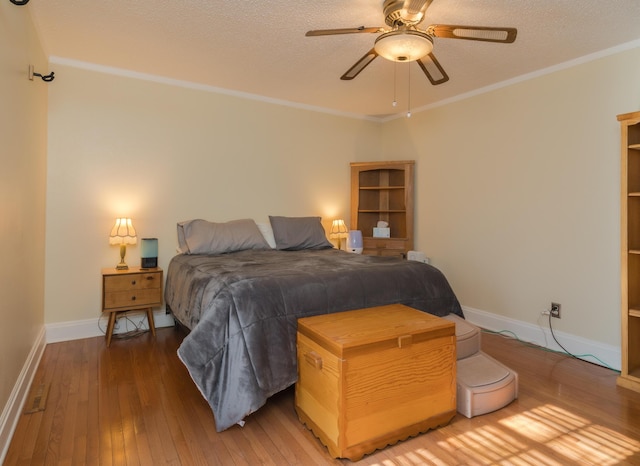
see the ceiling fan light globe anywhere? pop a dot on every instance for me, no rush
(404, 45)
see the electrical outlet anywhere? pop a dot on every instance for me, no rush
(555, 310)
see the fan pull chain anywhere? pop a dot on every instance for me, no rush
(395, 68)
(409, 92)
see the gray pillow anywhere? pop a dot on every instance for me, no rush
(296, 233)
(202, 237)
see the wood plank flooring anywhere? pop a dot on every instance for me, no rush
(135, 404)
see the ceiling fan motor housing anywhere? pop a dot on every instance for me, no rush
(393, 13)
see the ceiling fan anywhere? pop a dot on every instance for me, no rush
(402, 41)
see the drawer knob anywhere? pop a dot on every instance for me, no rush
(149, 277)
(133, 282)
(314, 359)
(133, 298)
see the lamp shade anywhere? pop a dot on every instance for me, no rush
(338, 229)
(123, 232)
(404, 45)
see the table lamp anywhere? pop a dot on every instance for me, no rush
(123, 233)
(338, 230)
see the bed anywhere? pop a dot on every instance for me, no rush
(241, 303)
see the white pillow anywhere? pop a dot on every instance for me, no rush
(267, 232)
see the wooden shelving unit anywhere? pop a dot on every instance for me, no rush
(383, 191)
(630, 249)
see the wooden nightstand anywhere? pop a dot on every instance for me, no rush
(128, 290)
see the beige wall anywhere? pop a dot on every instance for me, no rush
(160, 153)
(518, 193)
(22, 193)
(517, 189)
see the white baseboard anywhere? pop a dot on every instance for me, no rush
(11, 412)
(605, 355)
(88, 328)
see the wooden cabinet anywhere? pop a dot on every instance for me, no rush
(131, 289)
(383, 191)
(630, 249)
(371, 377)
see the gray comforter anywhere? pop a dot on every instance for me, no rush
(242, 309)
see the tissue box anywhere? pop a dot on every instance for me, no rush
(382, 232)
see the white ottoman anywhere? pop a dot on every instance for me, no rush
(467, 337)
(484, 385)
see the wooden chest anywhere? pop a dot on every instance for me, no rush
(371, 377)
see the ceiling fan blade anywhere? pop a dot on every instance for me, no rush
(413, 10)
(359, 65)
(433, 70)
(331, 32)
(487, 34)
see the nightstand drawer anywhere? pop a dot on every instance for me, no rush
(385, 247)
(132, 298)
(384, 243)
(399, 253)
(130, 289)
(138, 281)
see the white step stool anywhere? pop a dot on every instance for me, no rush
(483, 384)
(467, 336)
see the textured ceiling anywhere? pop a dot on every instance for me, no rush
(259, 47)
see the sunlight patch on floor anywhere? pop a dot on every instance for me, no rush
(543, 436)
(419, 455)
(573, 437)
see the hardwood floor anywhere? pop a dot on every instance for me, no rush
(135, 404)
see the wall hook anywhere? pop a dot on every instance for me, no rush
(19, 2)
(46, 78)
